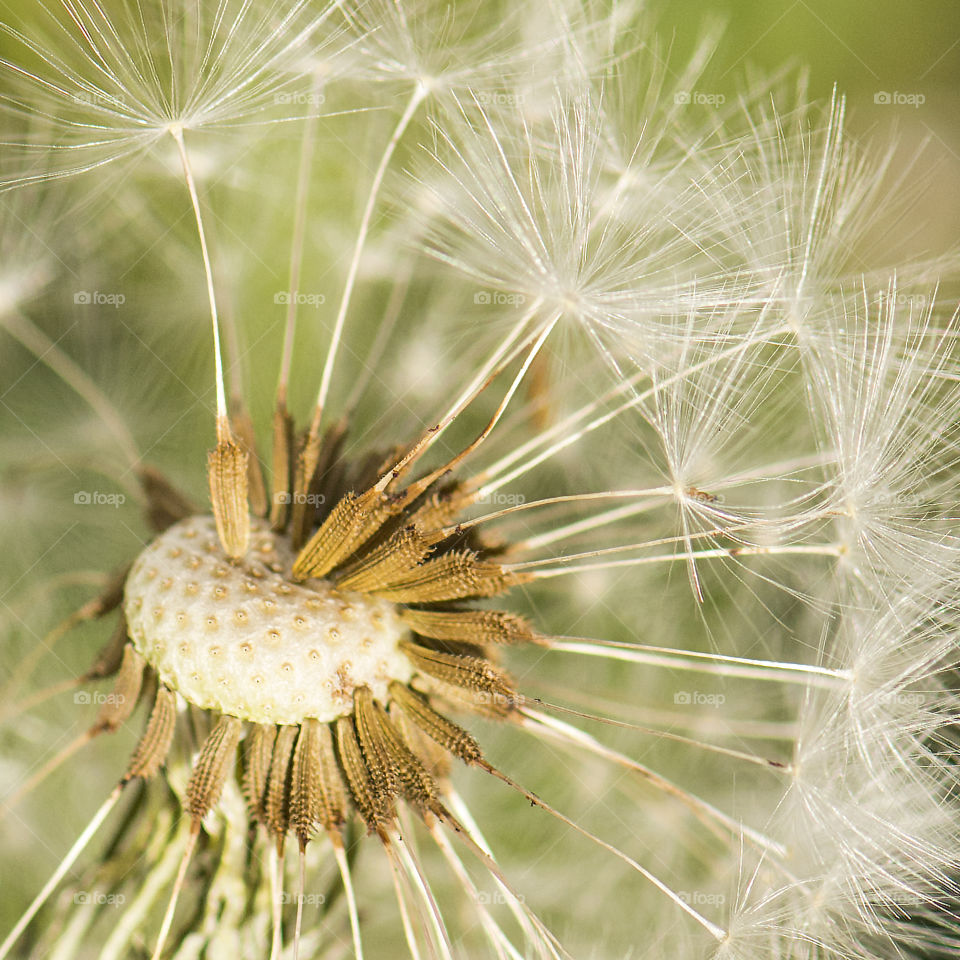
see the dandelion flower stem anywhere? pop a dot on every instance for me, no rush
(495, 934)
(541, 724)
(177, 887)
(413, 105)
(469, 832)
(276, 897)
(423, 483)
(507, 351)
(752, 758)
(296, 252)
(719, 664)
(568, 498)
(403, 909)
(823, 550)
(301, 887)
(422, 886)
(343, 865)
(223, 422)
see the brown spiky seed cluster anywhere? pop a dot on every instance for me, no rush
(336, 535)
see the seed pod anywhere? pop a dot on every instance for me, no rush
(393, 558)
(452, 576)
(449, 735)
(470, 673)
(349, 525)
(333, 793)
(384, 777)
(471, 626)
(256, 772)
(151, 752)
(281, 464)
(126, 689)
(248, 441)
(419, 787)
(365, 799)
(212, 767)
(305, 795)
(227, 472)
(277, 804)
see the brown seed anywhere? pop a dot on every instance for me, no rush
(384, 776)
(471, 626)
(248, 441)
(151, 752)
(453, 576)
(119, 705)
(277, 805)
(212, 767)
(474, 674)
(419, 787)
(256, 771)
(392, 559)
(349, 525)
(227, 473)
(368, 804)
(282, 458)
(333, 793)
(449, 735)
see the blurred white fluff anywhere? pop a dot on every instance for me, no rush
(884, 382)
(90, 86)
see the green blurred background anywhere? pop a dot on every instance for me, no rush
(866, 49)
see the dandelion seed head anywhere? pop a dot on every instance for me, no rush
(301, 656)
(606, 346)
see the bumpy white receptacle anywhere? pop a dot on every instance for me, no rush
(240, 637)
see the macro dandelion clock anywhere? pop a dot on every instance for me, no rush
(463, 496)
